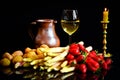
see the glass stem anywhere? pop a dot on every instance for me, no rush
(70, 39)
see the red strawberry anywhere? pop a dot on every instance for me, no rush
(100, 57)
(82, 68)
(74, 45)
(80, 58)
(72, 62)
(70, 57)
(93, 55)
(81, 47)
(105, 66)
(108, 61)
(92, 64)
(74, 51)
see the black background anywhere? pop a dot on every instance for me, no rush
(16, 16)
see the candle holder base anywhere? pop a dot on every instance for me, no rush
(107, 55)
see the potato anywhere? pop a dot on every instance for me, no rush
(44, 46)
(17, 58)
(31, 55)
(5, 62)
(17, 53)
(27, 49)
(7, 55)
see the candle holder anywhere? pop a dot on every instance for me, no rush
(104, 25)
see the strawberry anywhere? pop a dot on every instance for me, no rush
(70, 57)
(74, 45)
(93, 55)
(105, 66)
(92, 64)
(82, 67)
(74, 51)
(100, 57)
(81, 47)
(72, 62)
(80, 58)
(108, 61)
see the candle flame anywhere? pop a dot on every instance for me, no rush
(105, 9)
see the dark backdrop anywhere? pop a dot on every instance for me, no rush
(16, 16)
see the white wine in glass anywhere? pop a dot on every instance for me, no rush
(70, 21)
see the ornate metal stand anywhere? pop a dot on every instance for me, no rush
(104, 24)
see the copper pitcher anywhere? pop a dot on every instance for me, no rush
(42, 31)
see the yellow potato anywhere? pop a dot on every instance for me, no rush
(44, 46)
(38, 51)
(5, 62)
(27, 49)
(7, 55)
(31, 55)
(41, 56)
(17, 59)
(17, 53)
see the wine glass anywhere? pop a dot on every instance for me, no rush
(70, 21)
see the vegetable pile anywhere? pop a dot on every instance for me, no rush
(87, 59)
(74, 57)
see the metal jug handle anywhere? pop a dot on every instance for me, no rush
(30, 31)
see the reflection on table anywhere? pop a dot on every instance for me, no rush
(31, 74)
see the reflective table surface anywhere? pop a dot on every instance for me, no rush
(7, 73)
